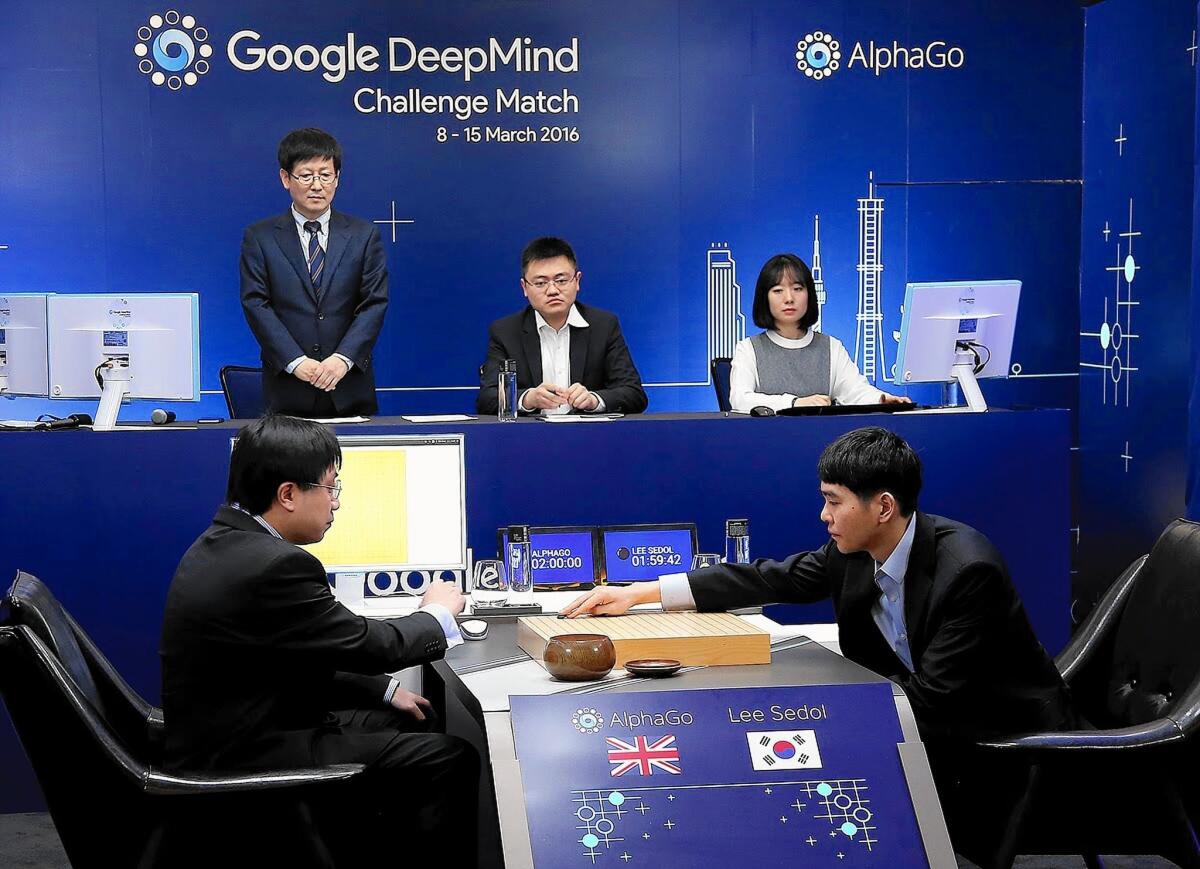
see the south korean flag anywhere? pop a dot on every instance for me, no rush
(784, 749)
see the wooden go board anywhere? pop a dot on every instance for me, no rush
(690, 638)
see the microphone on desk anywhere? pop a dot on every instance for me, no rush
(158, 416)
(75, 420)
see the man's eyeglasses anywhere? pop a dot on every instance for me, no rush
(335, 491)
(561, 282)
(308, 178)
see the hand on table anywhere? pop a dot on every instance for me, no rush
(605, 601)
(580, 398)
(545, 397)
(811, 401)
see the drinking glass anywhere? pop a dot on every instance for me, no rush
(490, 583)
(705, 559)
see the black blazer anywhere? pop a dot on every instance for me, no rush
(599, 360)
(289, 321)
(256, 651)
(980, 670)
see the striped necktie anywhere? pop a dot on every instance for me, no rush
(316, 254)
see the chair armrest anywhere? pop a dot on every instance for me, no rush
(1095, 630)
(1157, 734)
(159, 783)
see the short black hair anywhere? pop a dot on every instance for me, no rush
(274, 450)
(307, 144)
(868, 461)
(547, 247)
(772, 273)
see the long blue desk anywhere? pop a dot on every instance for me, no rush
(104, 517)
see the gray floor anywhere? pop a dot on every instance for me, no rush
(30, 842)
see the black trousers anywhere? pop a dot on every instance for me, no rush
(418, 794)
(419, 786)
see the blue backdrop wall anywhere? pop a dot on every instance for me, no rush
(1135, 283)
(692, 138)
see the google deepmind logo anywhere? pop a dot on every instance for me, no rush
(172, 50)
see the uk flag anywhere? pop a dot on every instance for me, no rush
(643, 755)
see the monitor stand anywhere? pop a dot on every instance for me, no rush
(116, 386)
(964, 374)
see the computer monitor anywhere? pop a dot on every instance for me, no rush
(118, 347)
(24, 369)
(957, 331)
(561, 556)
(402, 518)
(636, 553)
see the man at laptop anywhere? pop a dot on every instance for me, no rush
(263, 670)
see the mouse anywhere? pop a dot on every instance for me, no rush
(761, 410)
(473, 629)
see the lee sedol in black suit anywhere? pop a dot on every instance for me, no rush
(314, 288)
(263, 669)
(570, 356)
(923, 600)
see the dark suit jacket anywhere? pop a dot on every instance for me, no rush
(289, 320)
(256, 651)
(599, 360)
(979, 669)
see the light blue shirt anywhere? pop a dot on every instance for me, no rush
(888, 610)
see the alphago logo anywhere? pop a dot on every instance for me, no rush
(173, 51)
(818, 55)
(587, 720)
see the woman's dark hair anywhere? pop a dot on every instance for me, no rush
(275, 450)
(305, 144)
(772, 274)
(868, 461)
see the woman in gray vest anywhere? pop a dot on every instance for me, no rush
(790, 364)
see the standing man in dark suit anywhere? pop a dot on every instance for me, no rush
(315, 289)
(263, 669)
(570, 357)
(920, 599)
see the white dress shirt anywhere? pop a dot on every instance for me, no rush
(556, 357)
(323, 240)
(847, 384)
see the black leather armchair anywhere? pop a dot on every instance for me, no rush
(1130, 785)
(95, 746)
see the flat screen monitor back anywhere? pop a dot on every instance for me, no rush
(159, 333)
(23, 358)
(937, 316)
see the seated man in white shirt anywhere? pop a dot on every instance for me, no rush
(570, 356)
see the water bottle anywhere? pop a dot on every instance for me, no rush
(520, 555)
(506, 407)
(737, 541)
